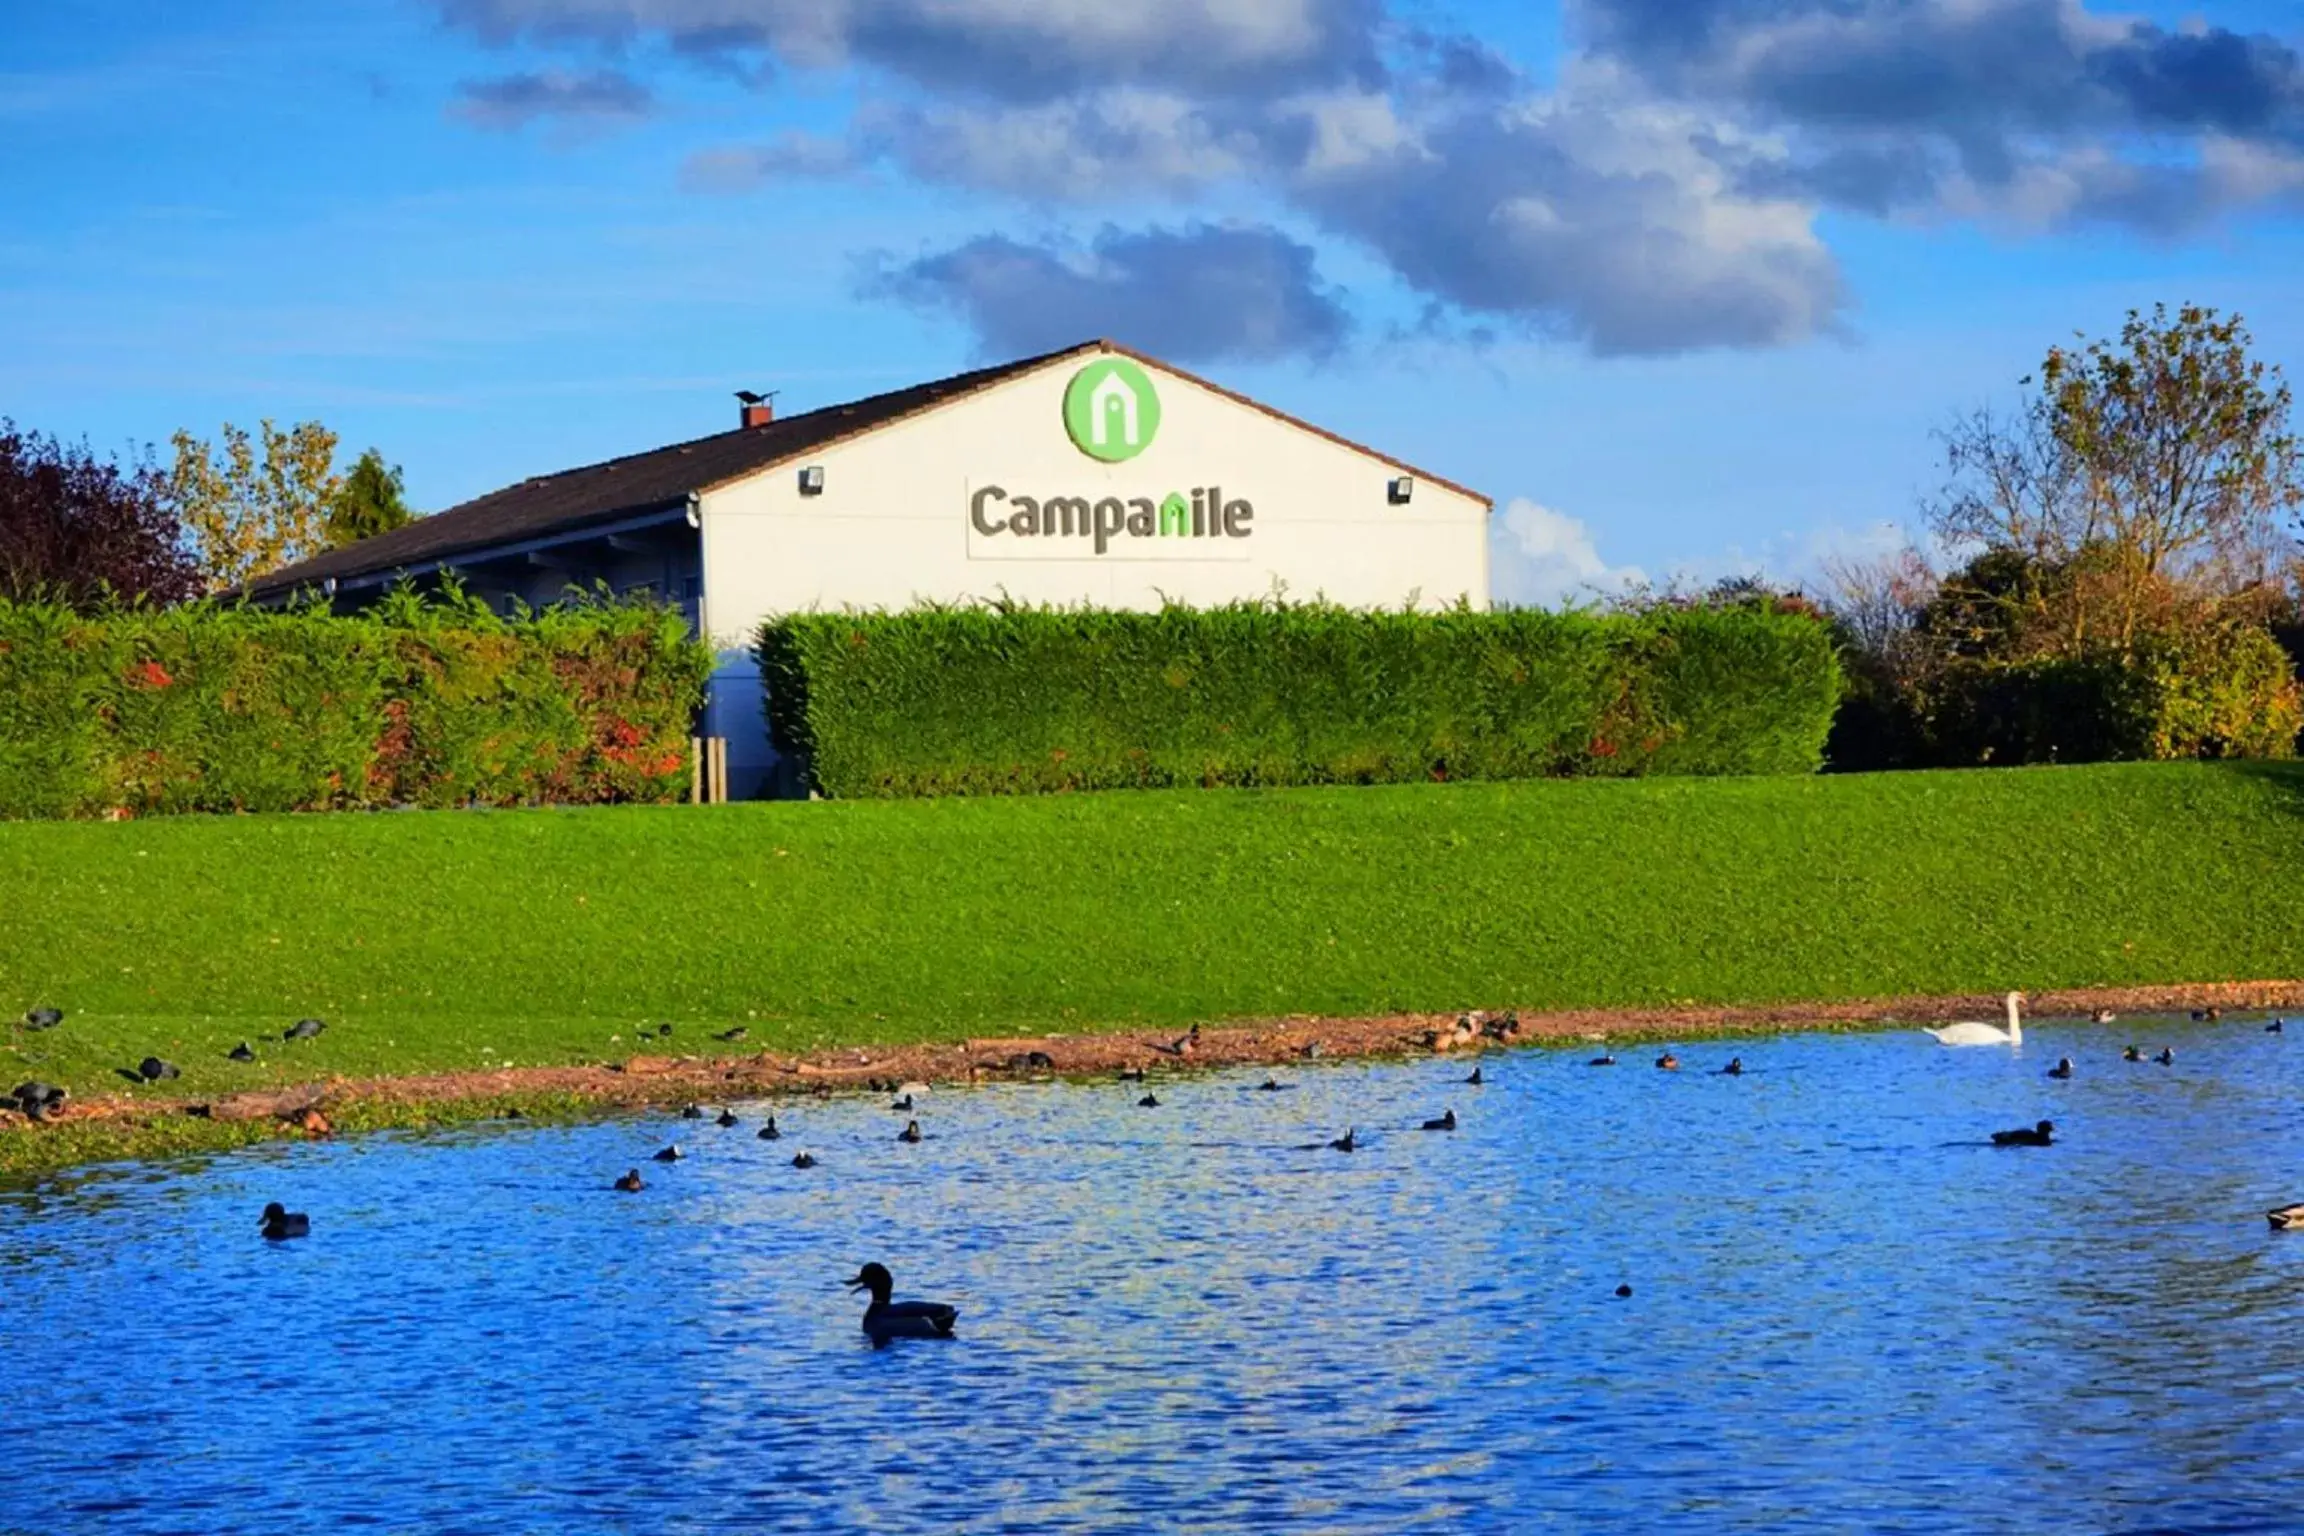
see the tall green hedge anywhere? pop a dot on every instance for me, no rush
(1011, 699)
(430, 702)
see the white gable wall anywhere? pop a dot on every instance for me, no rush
(892, 525)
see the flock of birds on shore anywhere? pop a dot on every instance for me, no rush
(886, 1319)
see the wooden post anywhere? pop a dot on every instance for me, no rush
(696, 778)
(719, 770)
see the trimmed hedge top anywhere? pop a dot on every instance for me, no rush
(430, 702)
(1013, 699)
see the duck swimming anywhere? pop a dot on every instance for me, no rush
(1345, 1142)
(2063, 1067)
(1447, 1122)
(885, 1319)
(281, 1223)
(903, 1106)
(692, 1112)
(1475, 1080)
(1667, 1062)
(2041, 1135)
(769, 1132)
(631, 1183)
(1272, 1085)
(2101, 1016)
(2167, 1057)
(803, 1160)
(911, 1131)
(2133, 1053)
(1971, 1033)
(1735, 1067)
(670, 1154)
(727, 1118)
(2289, 1218)
(2206, 1015)
(1601, 1061)
(2277, 1026)
(1149, 1101)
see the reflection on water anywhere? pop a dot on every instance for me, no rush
(1847, 1312)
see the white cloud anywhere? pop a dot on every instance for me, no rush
(1545, 557)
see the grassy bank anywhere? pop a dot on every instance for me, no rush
(434, 941)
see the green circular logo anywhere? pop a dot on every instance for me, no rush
(1111, 410)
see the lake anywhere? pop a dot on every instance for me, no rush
(1849, 1311)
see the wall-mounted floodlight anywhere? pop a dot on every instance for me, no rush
(1399, 490)
(812, 480)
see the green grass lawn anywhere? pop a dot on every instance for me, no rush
(461, 939)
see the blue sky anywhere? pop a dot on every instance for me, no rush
(1691, 281)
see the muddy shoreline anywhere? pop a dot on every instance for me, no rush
(311, 1109)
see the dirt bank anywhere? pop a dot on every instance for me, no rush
(312, 1109)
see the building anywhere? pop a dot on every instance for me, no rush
(1092, 475)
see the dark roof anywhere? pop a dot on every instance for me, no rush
(664, 478)
(638, 483)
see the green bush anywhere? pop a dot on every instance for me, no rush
(2215, 690)
(423, 701)
(1014, 699)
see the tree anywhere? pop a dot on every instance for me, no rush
(83, 531)
(2157, 464)
(246, 516)
(373, 501)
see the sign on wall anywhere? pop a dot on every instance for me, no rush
(1111, 410)
(1200, 523)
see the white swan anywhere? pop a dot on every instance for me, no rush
(1986, 1034)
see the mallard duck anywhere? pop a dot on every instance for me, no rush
(885, 1319)
(2289, 1218)
(37, 1100)
(1447, 1122)
(304, 1029)
(727, 1119)
(2063, 1067)
(1969, 1032)
(631, 1183)
(769, 1132)
(1475, 1080)
(1667, 1062)
(240, 1052)
(2041, 1135)
(280, 1222)
(911, 1131)
(2133, 1053)
(670, 1154)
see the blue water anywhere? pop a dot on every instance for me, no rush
(1847, 1313)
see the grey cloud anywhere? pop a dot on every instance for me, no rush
(1200, 294)
(789, 156)
(1969, 103)
(1610, 223)
(514, 101)
(997, 49)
